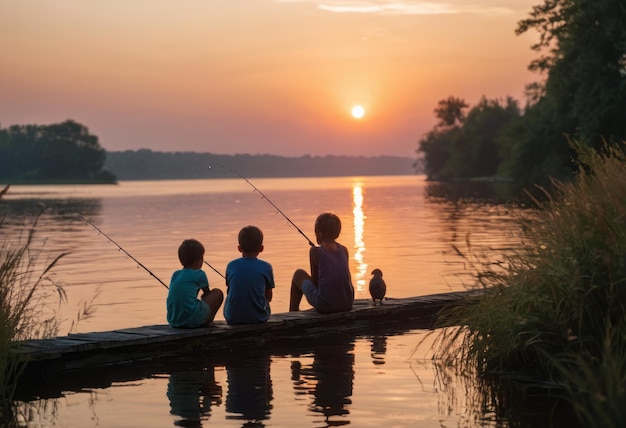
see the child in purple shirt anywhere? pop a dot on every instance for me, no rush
(329, 286)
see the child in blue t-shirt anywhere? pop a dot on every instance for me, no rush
(249, 281)
(184, 309)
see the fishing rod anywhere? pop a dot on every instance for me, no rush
(215, 270)
(128, 254)
(264, 196)
(119, 247)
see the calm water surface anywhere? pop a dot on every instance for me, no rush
(400, 224)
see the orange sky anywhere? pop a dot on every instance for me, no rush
(256, 76)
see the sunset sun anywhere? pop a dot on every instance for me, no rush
(358, 112)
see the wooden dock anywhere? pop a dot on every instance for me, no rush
(87, 350)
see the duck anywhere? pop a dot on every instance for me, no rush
(377, 287)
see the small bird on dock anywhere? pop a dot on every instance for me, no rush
(378, 288)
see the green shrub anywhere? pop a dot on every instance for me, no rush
(552, 311)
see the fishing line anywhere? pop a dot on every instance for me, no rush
(119, 247)
(264, 196)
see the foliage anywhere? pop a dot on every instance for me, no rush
(24, 294)
(583, 58)
(437, 145)
(451, 113)
(58, 152)
(534, 151)
(555, 310)
(581, 95)
(466, 145)
(596, 387)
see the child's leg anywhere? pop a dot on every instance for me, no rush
(214, 299)
(299, 277)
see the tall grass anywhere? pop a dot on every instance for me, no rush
(555, 310)
(26, 290)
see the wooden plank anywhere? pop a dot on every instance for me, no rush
(85, 349)
(102, 336)
(161, 330)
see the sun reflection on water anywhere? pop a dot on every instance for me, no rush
(359, 245)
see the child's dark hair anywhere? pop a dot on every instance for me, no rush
(328, 226)
(190, 251)
(250, 239)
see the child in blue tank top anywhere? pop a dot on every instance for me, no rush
(329, 286)
(184, 309)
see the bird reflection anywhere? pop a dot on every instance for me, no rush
(191, 395)
(329, 378)
(249, 389)
(379, 349)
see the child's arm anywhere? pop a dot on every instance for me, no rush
(269, 285)
(314, 257)
(205, 284)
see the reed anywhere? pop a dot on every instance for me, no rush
(26, 291)
(554, 310)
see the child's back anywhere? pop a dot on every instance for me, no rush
(329, 286)
(249, 281)
(334, 283)
(184, 309)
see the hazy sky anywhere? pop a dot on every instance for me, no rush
(257, 76)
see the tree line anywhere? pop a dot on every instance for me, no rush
(61, 152)
(145, 164)
(582, 98)
(68, 153)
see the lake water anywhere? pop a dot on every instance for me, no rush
(401, 224)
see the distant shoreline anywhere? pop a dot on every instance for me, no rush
(146, 164)
(54, 182)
